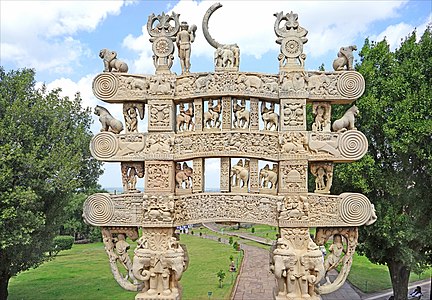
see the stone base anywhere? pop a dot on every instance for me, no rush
(183, 191)
(145, 296)
(268, 191)
(239, 189)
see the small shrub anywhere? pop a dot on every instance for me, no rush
(230, 240)
(236, 246)
(200, 233)
(253, 230)
(231, 258)
(221, 275)
(61, 242)
(219, 239)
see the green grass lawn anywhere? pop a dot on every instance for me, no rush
(84, 273)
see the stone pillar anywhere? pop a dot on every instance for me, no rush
(225, 174)
(293, 114)
(198, 109)
(254, 175)
(226, 113)
(198, 175)
(161, 115)
(254, 114)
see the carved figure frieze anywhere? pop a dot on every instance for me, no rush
(293, 85)
(347, 120)
(291, 37)
(269, 116)
(131, 111)
(345, 58)
(111, 63)
(294, 144)
(108, 122)
(162, 35)
(185, 117)
(268, 179)
(323, 172)
(202, 207)
(322, 114)
(131, 171)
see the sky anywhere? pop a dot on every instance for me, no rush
(61, 40)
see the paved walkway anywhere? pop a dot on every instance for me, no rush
(256, 282)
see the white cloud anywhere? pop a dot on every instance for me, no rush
(395, 34)
(38, 34)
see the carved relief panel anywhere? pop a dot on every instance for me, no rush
(323, 172)
(293, 114)
(131, 171)
(159, 176)
(161, 116)
(185, 117)
(183, 177)
(268, 179)
(293, 176)
(322, 115)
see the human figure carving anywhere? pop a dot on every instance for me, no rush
(241, 115)
(111, 63)
(347, 121)
(122, 247)
(345, 58)
(184, 39)
(334, 258)
(131, 115)
(184, 118)
(211, 117)
(109, 123)
(322, 121)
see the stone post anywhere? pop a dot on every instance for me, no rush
(226, 113)
(225, 174)
(198, 175)
(254, 114)
(198, 108)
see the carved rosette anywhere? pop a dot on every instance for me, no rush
(105, 86)
(351, 85)
(352, 145)
(98, 209)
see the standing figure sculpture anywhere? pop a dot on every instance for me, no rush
(335, 257)
(184, 39)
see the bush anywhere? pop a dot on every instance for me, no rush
(61, 242)
(253, 230)
(236, 246)
(230, 241)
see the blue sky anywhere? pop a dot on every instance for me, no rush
(62, 39)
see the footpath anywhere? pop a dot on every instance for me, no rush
(256, 282)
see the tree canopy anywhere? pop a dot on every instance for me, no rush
(44, 159)
(396, 174)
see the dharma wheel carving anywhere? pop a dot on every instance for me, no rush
(256, 125)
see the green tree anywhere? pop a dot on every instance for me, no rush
(44, 159)
(396, 174)
(221, 276)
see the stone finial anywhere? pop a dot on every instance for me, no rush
(111, 63)
(162, 35)
(291, 37)
(345, 58)
(227, 56)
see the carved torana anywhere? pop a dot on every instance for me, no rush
(256, 126)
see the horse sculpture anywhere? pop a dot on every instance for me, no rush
(183, 176)
(184, 119)
(109, 123)
(211, 117)
(270, 118)
(241, 115)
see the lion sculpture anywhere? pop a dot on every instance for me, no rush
(111, 63)
(347, 121)
(345, 58)
(109, 123)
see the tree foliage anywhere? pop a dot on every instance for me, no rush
(396, 174)
(44, 159)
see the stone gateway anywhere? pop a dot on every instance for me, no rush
(256, 125)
